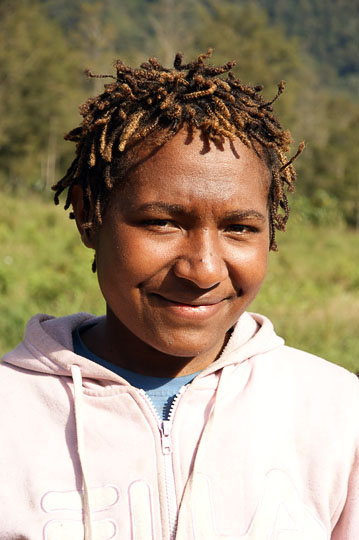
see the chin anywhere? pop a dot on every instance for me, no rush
(188, 345)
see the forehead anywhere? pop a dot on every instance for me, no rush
(189, 168)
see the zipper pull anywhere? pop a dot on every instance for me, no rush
(166, 437)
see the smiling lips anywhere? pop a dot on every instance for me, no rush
(195, 310)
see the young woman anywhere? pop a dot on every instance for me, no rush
(178, 414)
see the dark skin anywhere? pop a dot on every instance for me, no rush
(181, 254)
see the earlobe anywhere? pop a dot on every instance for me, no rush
(80, 218)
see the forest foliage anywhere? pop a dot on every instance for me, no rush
(312, 45)
(46, 44)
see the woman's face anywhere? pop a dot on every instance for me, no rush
(183, 248)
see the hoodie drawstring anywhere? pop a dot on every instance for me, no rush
(189, 496)
(78, 403)
(184, 522)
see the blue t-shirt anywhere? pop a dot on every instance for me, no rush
(160, 390)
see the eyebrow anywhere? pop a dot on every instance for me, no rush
(243, 214)
(178, 209)
(162, 206)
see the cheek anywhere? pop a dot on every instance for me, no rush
(249, 268)
(125, 257)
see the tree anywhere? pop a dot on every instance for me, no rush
(37, 70)
(331, 163)
(327, 29)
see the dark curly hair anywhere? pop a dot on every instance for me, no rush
(154, 103)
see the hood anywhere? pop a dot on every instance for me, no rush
(47, 346)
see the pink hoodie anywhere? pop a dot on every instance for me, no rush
(262, 445)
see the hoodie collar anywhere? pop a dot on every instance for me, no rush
(47, 346)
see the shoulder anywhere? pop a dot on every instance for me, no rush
(311, 368)
(275, 360)
(313, 385)
(47, 345)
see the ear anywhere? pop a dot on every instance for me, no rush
(77, 202)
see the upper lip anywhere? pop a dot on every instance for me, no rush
(203, 301)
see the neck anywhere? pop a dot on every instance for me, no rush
(113, 342)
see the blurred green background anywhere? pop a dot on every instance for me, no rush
(311, 291)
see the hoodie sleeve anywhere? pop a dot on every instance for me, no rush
(347, 527)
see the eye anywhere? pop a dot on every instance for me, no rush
(240, 229)
(156, 222)
(158, 225)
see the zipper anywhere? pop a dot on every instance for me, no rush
(165, 428)
(172, 507)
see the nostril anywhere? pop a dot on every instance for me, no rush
(205, 271)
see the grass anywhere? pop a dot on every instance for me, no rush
(310, 293)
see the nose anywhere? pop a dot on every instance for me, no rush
(202, 261)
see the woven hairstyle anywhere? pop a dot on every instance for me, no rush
(153, 103)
